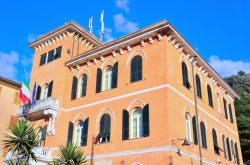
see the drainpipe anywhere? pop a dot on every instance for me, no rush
(196, 110)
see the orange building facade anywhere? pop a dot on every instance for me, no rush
(9, 103)
(146, 98)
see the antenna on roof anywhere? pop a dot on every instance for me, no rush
(91, 24)
(102, 25)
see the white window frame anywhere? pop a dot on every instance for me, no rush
(109, 83)
(188, 127)
(139, 122)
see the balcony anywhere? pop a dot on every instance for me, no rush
(41, 109)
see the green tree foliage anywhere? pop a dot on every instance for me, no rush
(20, 140)
(241, 84)
(70, 155)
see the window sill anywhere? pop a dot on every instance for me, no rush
(135, 82)
(104, 143)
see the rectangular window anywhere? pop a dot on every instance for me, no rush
(57, 53)
(51, 56)
(43, 59)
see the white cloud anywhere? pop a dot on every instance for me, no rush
(124, 25)
(8, 63)
(32, 37)
(228, 67)
(123, 4)
(27, 60)
(108, 35)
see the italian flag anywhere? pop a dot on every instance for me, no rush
(24, 94)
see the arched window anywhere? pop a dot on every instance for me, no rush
(45, 91)
(231, 113)
(224, 146)
(203, 135)
(228, 149)
(83, 86)
(216, 147)
(210, 97)
(198, 86)
(195, 130)
(188, 127)
(107, 78)
(136, 69)
(81, 133)
(185, 75)
(137, 125)
(105, 123)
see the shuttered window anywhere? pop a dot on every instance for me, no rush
(203, 135)
(136, 69)
(225, 108)
(104, 135)
(98, 80)
(44, 130)
(216, 147)
(43, 59)
(70, 132)
(232, 149)
(198, 86)
(38, 92)
(185, 75)
(58, 52)
(145, 117)
(228, 149)
(74, 88)
(84, 137)
(231, 113)
(50, 89)
(83, 86)
(194, 130)
(224, 146)
(115, 75)
(125, 125)
(210, 97)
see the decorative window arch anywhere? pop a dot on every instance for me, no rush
(203, 135)
(215, 142)
(195, 134)
(136, 69)
(137, 123)
(105, 124)
(188, 127)
(82, 86)
(185, 75)
(210, 97)
(81, 133)
(198, 86)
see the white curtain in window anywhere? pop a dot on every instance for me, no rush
(80, 87)
(45, 91)
(78, 135)
(137, 123)
(188, 127)
(107, 78)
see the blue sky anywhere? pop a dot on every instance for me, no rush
(218, 30)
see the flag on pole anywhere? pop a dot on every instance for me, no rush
(33, 95)
(24, 94)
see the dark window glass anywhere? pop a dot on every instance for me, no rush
(216, 147)
(83, 85)
(225, 108)
(198, 86)
(136, 69)
(194, 130)
(43, 59)
(50, 89)
(210, 97)
(51, 56)
(104, 135)
(84, 131)
(185, 75)
(231, 113)
(98, 80)
(125, 125)
(38, 92)
(203, 135)
(58, 52)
